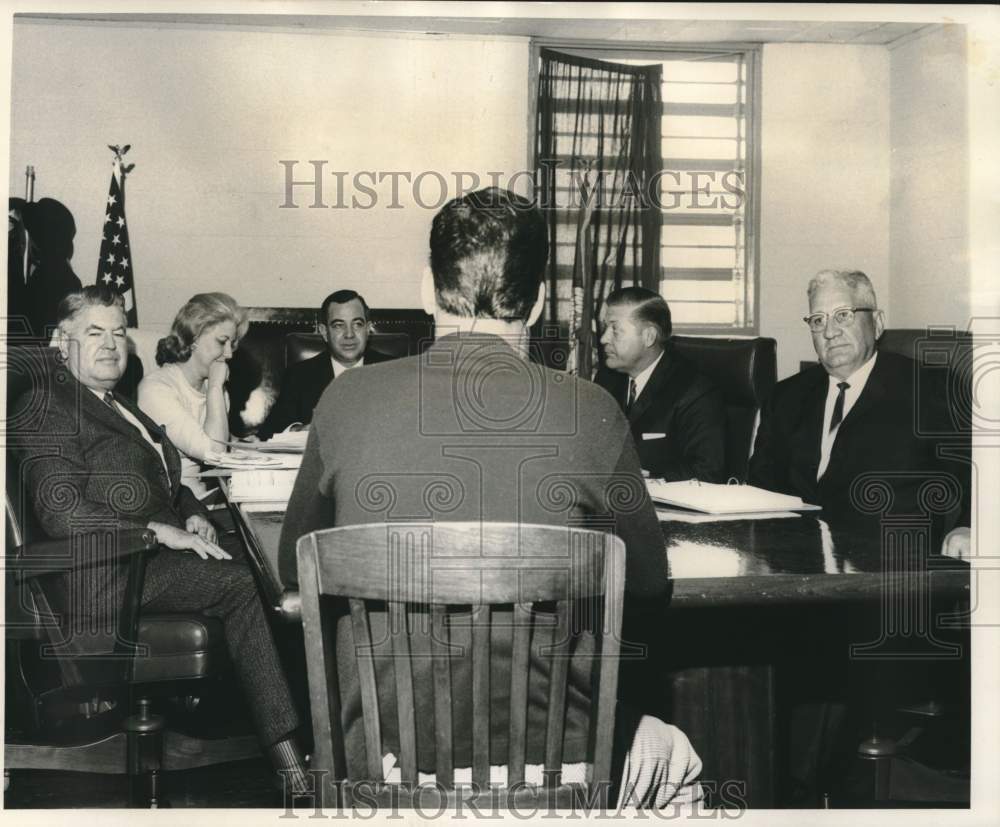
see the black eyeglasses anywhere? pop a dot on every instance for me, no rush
(842, 317)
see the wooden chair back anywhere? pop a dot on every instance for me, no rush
(479, 566)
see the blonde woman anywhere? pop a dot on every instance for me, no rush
(187, 394)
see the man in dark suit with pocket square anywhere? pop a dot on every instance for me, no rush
(677, 416)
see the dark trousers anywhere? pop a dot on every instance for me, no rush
(179, 582)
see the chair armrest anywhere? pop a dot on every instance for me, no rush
(290, 606)
(50, 556)
(31, 561)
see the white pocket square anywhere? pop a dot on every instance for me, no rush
(653, 436)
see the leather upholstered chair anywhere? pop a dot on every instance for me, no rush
(929, 346)
(82, 699)
(746, 371)
(259, 362)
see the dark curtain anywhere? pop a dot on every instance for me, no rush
(597, 152)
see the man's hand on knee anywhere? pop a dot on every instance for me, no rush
(200, 525)
(177, 538)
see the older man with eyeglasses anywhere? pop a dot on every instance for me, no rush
(857, 434)
(855, 414)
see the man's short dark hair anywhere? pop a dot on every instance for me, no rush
(93, 295)
(341, 297)
(647, 306)
(488, 254)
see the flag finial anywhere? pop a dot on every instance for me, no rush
(119, 155)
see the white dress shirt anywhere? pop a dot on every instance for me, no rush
(857, 382)
(643, 378)
(339, 368)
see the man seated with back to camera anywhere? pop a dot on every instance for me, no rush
(677, 416)
(345, 328)
(89, 449)
(454, 414)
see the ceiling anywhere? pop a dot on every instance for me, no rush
(625, 30)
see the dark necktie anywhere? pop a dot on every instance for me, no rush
(838, 406)
(631, 395)
(149, 437)
(109, 400)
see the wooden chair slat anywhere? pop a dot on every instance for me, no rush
(556, 714)
(318, 650)
(520, 663)
(457, 565)
(481, 696)
(369, 692)
(405, 705)
(603, 720)
(441, 664)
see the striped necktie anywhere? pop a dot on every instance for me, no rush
(631, 395)
(109, 400)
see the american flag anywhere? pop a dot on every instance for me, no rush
(114, 268)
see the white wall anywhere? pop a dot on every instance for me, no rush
(929, 264)
(825, 180)
(210, 113)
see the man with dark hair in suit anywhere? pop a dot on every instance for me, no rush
(472, 431)
(345, 328)
(96, 459)
(677, 416)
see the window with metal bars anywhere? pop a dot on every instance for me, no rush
(707, 187)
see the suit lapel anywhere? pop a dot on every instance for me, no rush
(873, 392)
(99, 409)
(324, 370)
(658, 388)
(158, 435)
(871, 396)
(810, 431)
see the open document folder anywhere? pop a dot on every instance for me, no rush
(710, 498)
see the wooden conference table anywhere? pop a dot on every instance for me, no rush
(734, 582)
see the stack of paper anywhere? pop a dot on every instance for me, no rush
(262, 486)
(290, 441)
(244, 459)
(710, 498)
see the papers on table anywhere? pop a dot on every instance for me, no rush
(292, 442)
(273, 487)
(709, 498)
(264, 506)
(246, 459)
(674, 515)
